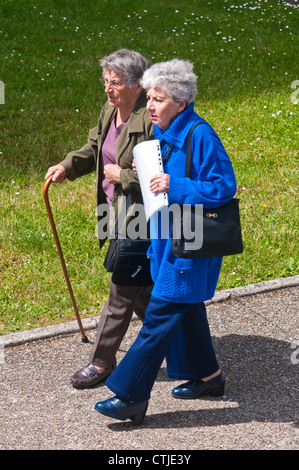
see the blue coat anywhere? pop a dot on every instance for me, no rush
(213, 184)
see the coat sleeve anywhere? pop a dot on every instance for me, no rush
(83, 161)
(213, 181)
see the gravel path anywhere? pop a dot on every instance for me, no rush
(257, 342)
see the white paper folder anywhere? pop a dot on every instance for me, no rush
(148, 159)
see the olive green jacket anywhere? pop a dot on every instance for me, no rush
(88, 158)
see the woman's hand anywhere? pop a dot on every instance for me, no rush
(112, 173)
(134, 168)
(160, 183)
(58, 172)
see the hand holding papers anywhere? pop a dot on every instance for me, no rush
(149, 163)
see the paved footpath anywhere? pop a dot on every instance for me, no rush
(256, 337)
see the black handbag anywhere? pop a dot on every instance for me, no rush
(127, 259)
(221, 226)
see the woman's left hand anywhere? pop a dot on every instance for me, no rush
(160, 183)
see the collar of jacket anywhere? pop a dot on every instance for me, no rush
(179, 129)
(135, 123)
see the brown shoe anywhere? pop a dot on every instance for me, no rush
(89, 376)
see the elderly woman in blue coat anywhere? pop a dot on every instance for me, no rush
(175, 324)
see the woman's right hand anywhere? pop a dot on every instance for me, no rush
(134, 168)
(58, 172)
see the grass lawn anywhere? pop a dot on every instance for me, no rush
(246, 57)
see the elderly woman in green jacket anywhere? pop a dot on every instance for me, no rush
(123, 123)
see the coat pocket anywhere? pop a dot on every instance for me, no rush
(178, 282)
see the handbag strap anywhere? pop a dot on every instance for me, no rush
(188, 168)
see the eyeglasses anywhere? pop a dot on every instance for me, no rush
(113, 83)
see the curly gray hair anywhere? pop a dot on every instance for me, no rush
(130, 64)
(175, 77)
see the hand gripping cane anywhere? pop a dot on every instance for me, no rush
(45, 194)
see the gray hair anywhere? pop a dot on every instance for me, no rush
(175, 77)
(130, 64)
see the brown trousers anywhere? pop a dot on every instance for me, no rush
(115, 319)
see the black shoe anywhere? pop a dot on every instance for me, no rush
(198, 388)
(89, 376)
(119, 408)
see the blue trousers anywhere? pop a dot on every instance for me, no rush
(178, 331)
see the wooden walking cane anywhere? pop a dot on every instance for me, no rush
(46, 198)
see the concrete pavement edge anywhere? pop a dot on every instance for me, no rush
(15, 339)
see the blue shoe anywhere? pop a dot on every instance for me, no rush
(119, 408)
(198, 388)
